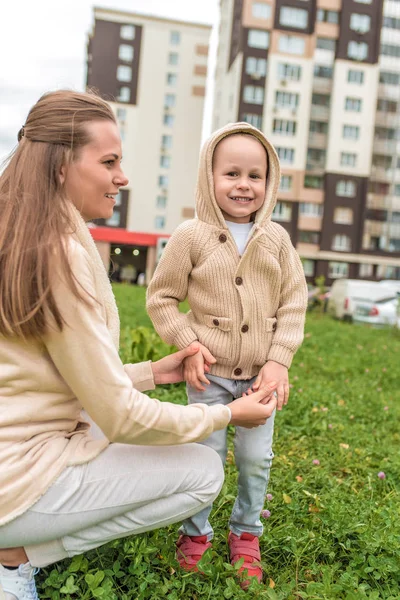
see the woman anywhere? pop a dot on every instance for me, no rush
(62, 490)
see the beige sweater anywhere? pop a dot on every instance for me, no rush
(45, 385)
(245, 309)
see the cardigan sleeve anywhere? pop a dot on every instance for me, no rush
(169, 287)
(290, 315)
(86, 359)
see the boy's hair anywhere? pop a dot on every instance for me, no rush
(242, 133)
(35, 212)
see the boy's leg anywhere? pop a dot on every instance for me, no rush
(253, 456)
(125, 490)
(215, 393)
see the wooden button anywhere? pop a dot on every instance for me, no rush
(238, 281)
(215, 322)
(237, 371)
(245, 328)
(222, 238)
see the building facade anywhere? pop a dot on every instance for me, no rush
(321, 78)
(153, 72)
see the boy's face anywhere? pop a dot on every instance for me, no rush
(240, 175)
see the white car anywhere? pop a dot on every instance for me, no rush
(346, 293)
(378, 313)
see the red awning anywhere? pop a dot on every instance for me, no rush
(116, 235)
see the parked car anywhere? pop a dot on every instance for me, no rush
(344, 294)
(381, 313)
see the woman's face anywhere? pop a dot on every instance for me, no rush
(92, 181)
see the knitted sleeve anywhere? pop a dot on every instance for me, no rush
(169, 287)
(292, 306)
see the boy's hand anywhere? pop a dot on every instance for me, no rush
(273, 371)
(195, 367)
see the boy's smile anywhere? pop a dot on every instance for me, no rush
(240, 173)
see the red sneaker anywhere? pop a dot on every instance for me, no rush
(190, 549)
(246, 546)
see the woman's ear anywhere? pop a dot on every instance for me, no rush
(63, 174)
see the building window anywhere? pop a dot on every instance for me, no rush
(121, 114)
(365, 1)
(124, 94)
(127, 32)
(175, 38)
(169, 101)
(357, 50)
(163, 181)
(124, 73)
(166, 141)
(353, 104)
(256, 66)
(365, 270)
(308, 267)
(386, 105)
(114, 220)
(161, 202)
(125, 52)
(390, 50)
(351, 132)
(286, 183)
(159, 222)
(288, 71)
(255, 120)
(293, 17)
(323, 71)
(260, 10)
(172, 78)
(360, 23)
(326, 44)
(291, 44)
(391, 22)
(316, 157)
(173, 58)
(168, 120)
(338, 269)
(258, 39)
(343, 216)
(165, 161)
(346, 188)
(327, 16)
(284, 127)
(318, 127)
(341, 243)
(282, 212)
(286, 99)
(389, 78)
(309, 237)
(314, 182)
(286, 155)
(348, 159)
(253, 94)
(321, 100)
(311, 209)
(354, 76)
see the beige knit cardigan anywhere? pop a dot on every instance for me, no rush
(45, 385)
(245, 309)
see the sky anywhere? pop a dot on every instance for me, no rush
(43, 47)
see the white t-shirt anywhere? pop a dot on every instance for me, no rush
(240, 233)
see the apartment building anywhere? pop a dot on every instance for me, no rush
(153, 72)
(321, 78)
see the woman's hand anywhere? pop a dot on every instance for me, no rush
(170, 368)
(250, 410)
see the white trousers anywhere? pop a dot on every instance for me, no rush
(125, 490)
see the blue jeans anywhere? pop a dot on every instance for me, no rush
(253, 456)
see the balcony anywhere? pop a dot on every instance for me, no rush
(320, 113)
(318, 140)
(322, 85)
(385, 147)
(385, 119)
(389, 92)
(381, 173)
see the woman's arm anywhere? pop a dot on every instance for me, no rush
(88, 361)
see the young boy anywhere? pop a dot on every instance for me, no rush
(247, 293)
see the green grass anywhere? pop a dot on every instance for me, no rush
(334, 530)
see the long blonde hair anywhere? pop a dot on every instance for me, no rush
(34, 211)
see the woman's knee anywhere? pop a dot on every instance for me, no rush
(211, 472)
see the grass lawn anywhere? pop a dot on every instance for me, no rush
(334, 529)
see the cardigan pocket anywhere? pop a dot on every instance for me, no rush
(267, 332)
(223, 323)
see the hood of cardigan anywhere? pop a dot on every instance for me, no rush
(206, 205)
